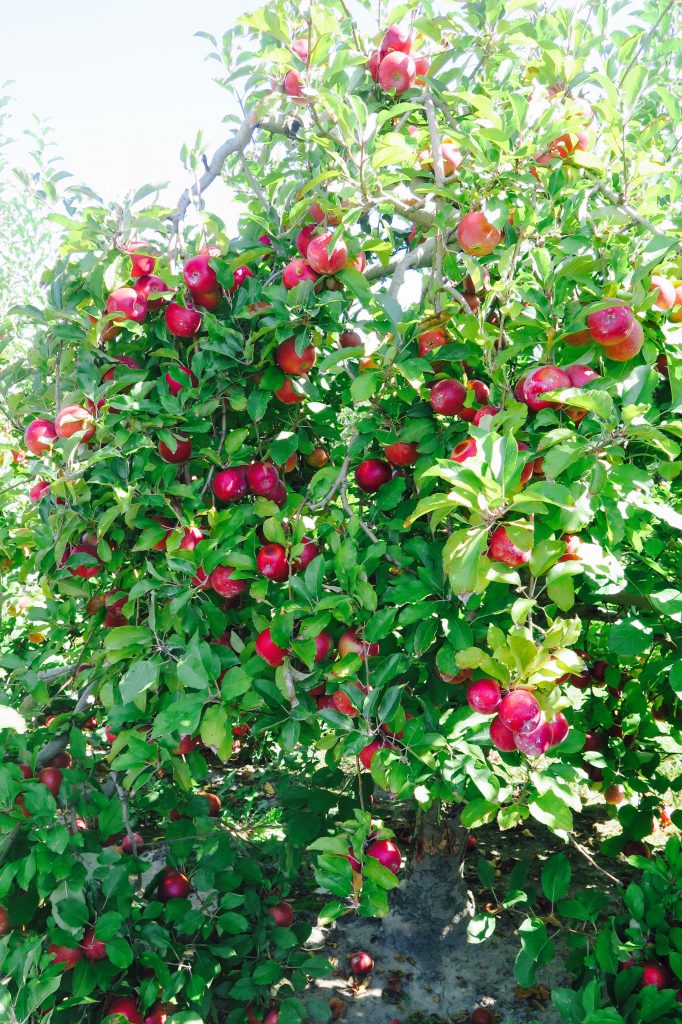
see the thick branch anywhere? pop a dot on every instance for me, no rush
(420, 256)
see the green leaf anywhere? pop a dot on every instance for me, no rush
(556, 876)
(139, 678)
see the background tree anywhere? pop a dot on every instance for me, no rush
(381, 493)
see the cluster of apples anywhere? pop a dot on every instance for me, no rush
(535, 383)
(349, 643)
(615, 328)
(393, 65)
(518, 723)
(320, 255)
(261, 479)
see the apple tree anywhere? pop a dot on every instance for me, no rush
(380, 496)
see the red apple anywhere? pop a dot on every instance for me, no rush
(397, 38)
(655, 974)
(292, 362)
(208, 300)
(293, 86)
(502, 549)
(666, 297)
(540, 380)
(230, 484)
(447, 397)
(361, 963)
(536, 742)
(200, 579)
(198, 274)
(396, 72)
(262, 478)
(422, 66)
(501, 736)
(175, 381)
(350, 643)
(485, 410)
(212, 801)
(372, 474)
(129, 303)
(627, 347)
(125, 1007)
(434, 337)
(300, 48)
(39, 436)
(476, 235)
(614, 794)
(484, 696)
(127, 843)
(272, 563)
(304, 237)
(482, 1015)
(309, 552)
(191, 536)
(173, 886)
(296, 271)
(368, 752)
(611, 325)
(67, 956)
(290, 394)
(182, 453)
(142, 262)
(110, 374)
(464, 450)
(520, 711)
(222, 583)
(159, 1013)
(5, 926)
(350, 339)
(323, 644)
(181, 321)
(38, 491)
(559, 727)
(74, 419)
(580, 375)
(401, 453)
(386, 852)
(85, 571)
(150, 285)
(317, 458)
(267, 649)
(94, 949)
(282, 914)
(322, 257)
(238, 278)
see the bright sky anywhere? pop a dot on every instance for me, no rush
(123, 85)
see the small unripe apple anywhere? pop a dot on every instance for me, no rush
(484, 696)
(267, 649)
(396, 72)
(182, 453)
(324, 257)
(230, 484)
(386, 852)
(372, 474)
(502, 549)
(476, 235)
(282, 914)
(296, 271)
(290, 361)
(271, 562)
(222, 583)
(401, 453)
(173, 886)
(447, 397)
(74, 419)
(520, 711)
(181, 321)
(129, 303)
(361, 963)
(39, 436)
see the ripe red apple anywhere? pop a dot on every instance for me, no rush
(447, 397)
(129, 303)
(296, 271)
(238, 278)
(230, 484)
(200, 579)
(559, 726)
(198, 274)
(368, 752)
(262, 478)
(74, 419)
(159, 1013)
(666, 296)
(212, 801)
(290, 361)
(175, 381)
(386, 852)
(282, 914)
(464, 450)
(325, 258)
(614, 794)
(501, 549)
(611, 325)
(434, 337)
(374, 65)
(401, 453)
(422, 66)
(87, 546)
(572, 552)
(317, 458)
(501, 736)
(125, 1007)
(222, 583)
(300, 48)
(271, 562)
(580, 375)
(290, 394)
(181, 321)
(485, 410)
(127, 844)
(208, 300)
(67, 956)
(5, 926)
(309, 552)
(173, 886)
(520, 711)
(39, 436)
(627, 347)
(110, 374)
(182, 453)
(344, 704)
(476, 235)
(396, 72)
(397, 38)
(304, 237)
(372, 474)
(535, 742)
(484, 696)
(267, 649)
(482, 1015)
(655, 974)
(191, 536)
(115, 616)
(537, 382)
(361, 963)
(350, 643)
(38, 491)
(323, 644)
(94, 949)
(150, 285)
(293, 86)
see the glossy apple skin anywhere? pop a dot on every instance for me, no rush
(268, 650)
(125, 1007)
(325, 258)
(271, 562)
(303, 238)
(501, 736)
(198, 274)
(476, 235)
(191, 536)
(323, 645)
(401, 453)
(38, 491)
(182, 453)
(350, 643)
(39, 436)
(396, 72)
(129, 303)
(580, 375)
(222, 583)
(293, 86)
(296, 271)
(289, 360)
(127, 845)
(386, 852)
(176, 383)
(464, 450)
(611, 325)
(361, 963)
(309, 552)
(74, 419)
(65, 956)
(655, 974)
(372, 474)
(397, 38)
(238, 278)
(447, 397)
(174, 885)
(148, 286)
(501, 549)
(536, 742)
(230, 484)
(181, 321)
(94, 949)
(141, 262)
(430, 339)
(520, 711)
(484, 696)
(559, 727)
(628, 347)
(368, 752)
(84, 572)
(262, 478)
(666, 297)
(288, 394)
(540, 380)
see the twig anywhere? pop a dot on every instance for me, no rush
(221, 442)
(457, 296)
(340, 479)
(58, 377)
(588, 857)
(123, 797)
(289, 683)
(628, 210)
(644, 43)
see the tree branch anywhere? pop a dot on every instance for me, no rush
(588, 857)
(630, 212)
